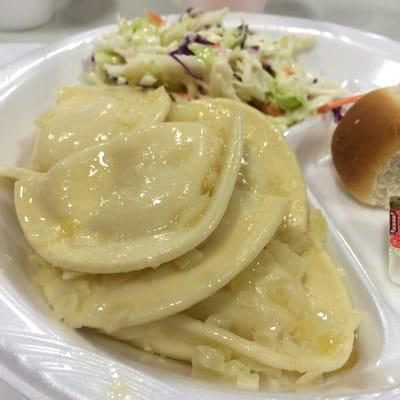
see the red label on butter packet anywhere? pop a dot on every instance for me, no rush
(394, 222)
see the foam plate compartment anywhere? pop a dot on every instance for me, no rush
(47, 360)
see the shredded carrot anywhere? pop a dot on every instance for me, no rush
(187, 96)
(338, 103)
(289, 70)
(273, 110)
(217, 44)
(154, 17)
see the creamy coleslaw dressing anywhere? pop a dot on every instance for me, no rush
(196, 54)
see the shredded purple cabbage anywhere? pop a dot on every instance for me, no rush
(184, 49)
(267, 68)
(246, 29)
(193, 12)
(253, 48)
(337, 114)
(185, 67)
(199, 39)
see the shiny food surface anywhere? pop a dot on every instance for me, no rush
(269, 165)
(143, 199)
(214, 202)
(111, 302)
(90, 115)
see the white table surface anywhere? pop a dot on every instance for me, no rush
(73, 16)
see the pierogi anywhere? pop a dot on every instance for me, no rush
(110, 302)
(142, 199)
(89, 115)
(269, 164)
(277, 313)
(190, 238)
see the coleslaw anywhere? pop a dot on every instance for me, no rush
(196, 56)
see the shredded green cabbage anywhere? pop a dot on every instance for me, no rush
(196, 55)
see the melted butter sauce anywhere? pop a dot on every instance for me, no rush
(138, 188)
(147, 182)
(85, 116)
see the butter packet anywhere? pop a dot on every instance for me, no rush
(394, 239)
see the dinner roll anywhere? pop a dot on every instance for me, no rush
(366, 147)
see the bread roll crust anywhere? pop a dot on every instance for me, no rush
(365, 141)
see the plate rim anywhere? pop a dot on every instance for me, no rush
(366, 38)
(13, 71)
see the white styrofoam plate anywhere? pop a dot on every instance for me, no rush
(44, 359)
